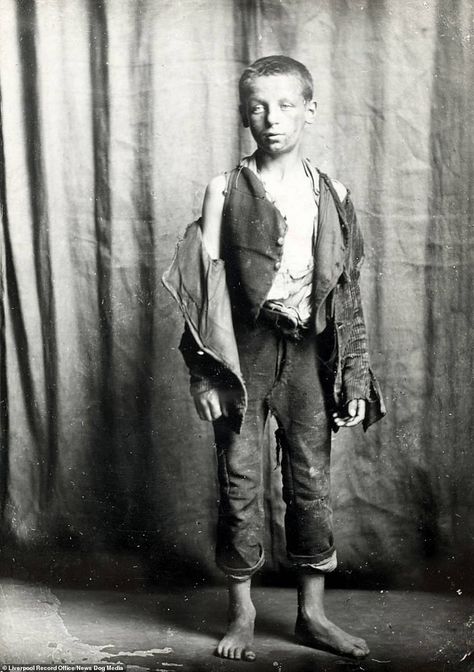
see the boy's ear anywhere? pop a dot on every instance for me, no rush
(243, 116)
(311, 111)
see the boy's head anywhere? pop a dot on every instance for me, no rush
(276, 102)
(276, 65)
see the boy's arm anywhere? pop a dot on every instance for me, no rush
(355, 366)
(204, 373)
(212, 215)
(201, 367)
(356, 373)
(355, 361)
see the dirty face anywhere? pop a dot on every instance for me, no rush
(277, 113)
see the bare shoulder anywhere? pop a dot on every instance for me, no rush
(214, 196)
(339, 188)
(212, 214)
(216, 186)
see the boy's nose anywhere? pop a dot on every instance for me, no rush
(273, 114)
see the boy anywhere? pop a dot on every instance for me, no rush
(268, 283)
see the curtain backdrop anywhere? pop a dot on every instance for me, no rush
(114, 116)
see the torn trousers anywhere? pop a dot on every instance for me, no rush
(283, 377)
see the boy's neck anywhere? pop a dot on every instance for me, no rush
(279, 166)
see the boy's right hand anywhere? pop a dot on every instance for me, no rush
(208, 405)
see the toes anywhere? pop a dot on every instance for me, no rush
(222, 651)
(362, 645)
(360, 652)
(234, 652)
(249, 656)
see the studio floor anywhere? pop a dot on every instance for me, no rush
(176, 631)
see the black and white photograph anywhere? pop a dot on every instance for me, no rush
(236, 335)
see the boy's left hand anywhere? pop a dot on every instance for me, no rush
(351, 414)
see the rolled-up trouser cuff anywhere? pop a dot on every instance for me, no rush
(322, 562)
(323, 567)
(242, 574)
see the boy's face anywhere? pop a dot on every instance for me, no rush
(276, 113)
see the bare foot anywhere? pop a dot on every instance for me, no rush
(238, 640)
(326, 636)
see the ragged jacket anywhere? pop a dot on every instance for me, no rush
(200, 285)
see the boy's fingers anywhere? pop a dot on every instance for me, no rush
(216, 413)
(340, 419)
(214, 406)
(352, 407)
(199, 409)
(208, 406)
(356, 409)
(205, 413)
(354, 421)
(355, 414)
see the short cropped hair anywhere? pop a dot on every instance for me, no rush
(276, 65)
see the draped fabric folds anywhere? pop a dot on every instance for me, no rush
(114, 116)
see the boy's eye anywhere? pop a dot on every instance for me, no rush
(286, 106)
(256, 109)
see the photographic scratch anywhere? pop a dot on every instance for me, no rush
(172, 664)
(145, 653)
